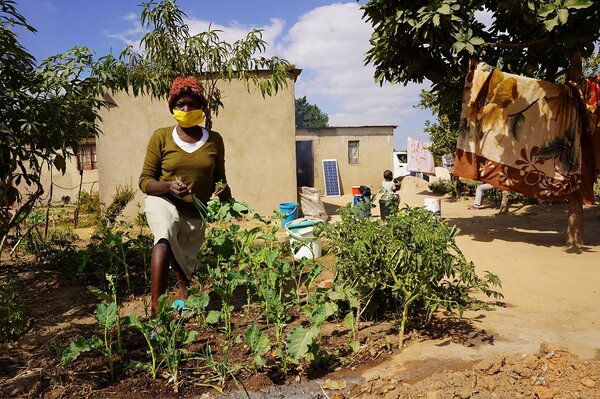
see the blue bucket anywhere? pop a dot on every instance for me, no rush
(289, 211)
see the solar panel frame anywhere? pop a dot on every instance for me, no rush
(331, 178)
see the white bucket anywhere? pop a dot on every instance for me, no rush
(434, 205)
(304, 244)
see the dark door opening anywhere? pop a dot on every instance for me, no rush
(304, 164)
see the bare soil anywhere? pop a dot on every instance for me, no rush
(541, 341)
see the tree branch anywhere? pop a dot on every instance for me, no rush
(532, 43)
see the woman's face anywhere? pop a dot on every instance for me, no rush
(187, 103)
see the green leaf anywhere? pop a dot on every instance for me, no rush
(60, 163)
(107, 314)
(354, 345)
(349, 320)
(198, 302)
(76, 348)
(436, 20)
(444, 9)
(189, 337)
(476, 41)
(563, 15)
(312, 275)
(550, 24)
(298, 341)
(577, 4)
(213, 317)
(546, 10)
(258, 342)
(321, 312)
(132, 321)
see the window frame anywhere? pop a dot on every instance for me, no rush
(353, 159)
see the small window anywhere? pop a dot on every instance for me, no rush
(353, 151)
(86, 157)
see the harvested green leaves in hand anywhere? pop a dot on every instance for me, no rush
(216, 210)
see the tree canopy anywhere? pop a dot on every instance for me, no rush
(434, 39)
(309, 115)
(47, 108)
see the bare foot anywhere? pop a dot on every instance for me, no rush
(182, 293)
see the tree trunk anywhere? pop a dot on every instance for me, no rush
(504, 203)
(575, 218)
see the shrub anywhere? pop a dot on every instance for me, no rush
(409, 264)
(441, 187)
(13, 311)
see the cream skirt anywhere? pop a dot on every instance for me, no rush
(184, 234)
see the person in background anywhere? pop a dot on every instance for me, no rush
(181, 161)
(389, 186)
(479, 195)
(389, 200)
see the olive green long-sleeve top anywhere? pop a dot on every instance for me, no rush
(199, 170)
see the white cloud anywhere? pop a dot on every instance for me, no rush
(130, 17)
(329, 43)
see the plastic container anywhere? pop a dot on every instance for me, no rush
(289, 211)
(363, 202)
(434, 205)
(302, 240)
(355, 190)
(385, 208)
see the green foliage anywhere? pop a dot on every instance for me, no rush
(166, 336)
(108, 318)
(259, 344)
(13, 310)
(170, 51)
(122, 196)
(309, 115)
(441, 187)
(89, 203)
(410, 263)
(216, 210)
(442, 132)
(597, 191)
(435, 39)
(46, 109)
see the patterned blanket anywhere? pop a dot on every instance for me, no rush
(525, 135)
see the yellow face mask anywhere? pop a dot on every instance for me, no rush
(188, 119)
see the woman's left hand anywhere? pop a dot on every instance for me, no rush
(224, 193)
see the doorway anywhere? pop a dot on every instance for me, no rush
(304, 164)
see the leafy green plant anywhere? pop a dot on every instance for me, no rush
(410, 263)
(122, 196)
(165, 335)
(13, 310)
(108, 318)
(258, 342)
(224, 281)
(441, 187)
(216, 210)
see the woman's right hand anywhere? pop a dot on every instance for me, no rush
(178, 188)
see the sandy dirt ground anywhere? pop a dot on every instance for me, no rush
(550, 292)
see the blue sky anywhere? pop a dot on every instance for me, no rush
(326, 39)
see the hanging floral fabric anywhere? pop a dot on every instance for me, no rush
(525, 135)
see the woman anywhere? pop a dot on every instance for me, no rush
(180, 161)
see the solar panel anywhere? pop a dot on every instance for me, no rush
(332, 181)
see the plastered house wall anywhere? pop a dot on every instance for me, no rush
(259, 137)
(376, 147)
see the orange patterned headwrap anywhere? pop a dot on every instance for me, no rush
(188, 85)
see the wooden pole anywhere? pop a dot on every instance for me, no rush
(575, 218)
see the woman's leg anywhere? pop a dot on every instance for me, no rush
(159, 272)
(182, 281)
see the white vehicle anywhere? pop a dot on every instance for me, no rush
(400, 164)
